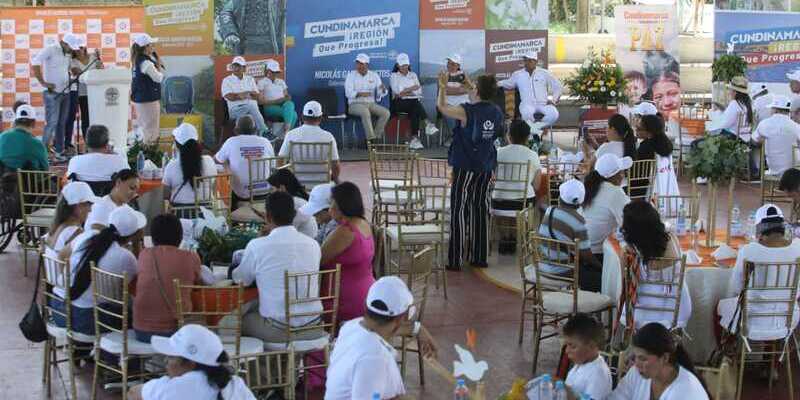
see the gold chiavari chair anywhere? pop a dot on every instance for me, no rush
(259, 171)
(268, 371)
(419, 274)
(512, 181)
(388, 170)
(311, 162)
(641, 178)
(527, 222)
(38, 193)
(556, 173)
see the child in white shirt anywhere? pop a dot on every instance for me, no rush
(583, 337)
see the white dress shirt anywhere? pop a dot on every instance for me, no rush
(55, 66)
(232, 84)
(604, 214)
(636, 387)
(400, 82)
(272, 90)
(96, 167)
(265, 261)
(356, 83)
(780, 135)
(533, 88)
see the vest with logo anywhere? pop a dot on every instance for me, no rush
(143, 88)
(473, 145)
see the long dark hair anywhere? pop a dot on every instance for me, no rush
(744, 100)
(218, 376)
(642, 228)
(138, 55)
(348, 199)
(284, 177)
(63, 212)
(654, 125)
(623, 128)
(93, 249)
(656, 340)
(191, 161)
(592, 183)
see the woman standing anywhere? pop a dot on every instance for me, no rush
(81, 61)
(146, 86)
(406, 95)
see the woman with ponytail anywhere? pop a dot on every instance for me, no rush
(604, 200)
(662, 369)
(180, 172)
(197, 369)
(621, 139)
(71, 211)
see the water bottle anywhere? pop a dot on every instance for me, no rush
(461, 392)
(546, 388)
(376, 396)
(561, 391)
(736, 223)
(680, 226)
(751, 227)
(164, 161)
(585, 396)
(552, 155)
(140, 162)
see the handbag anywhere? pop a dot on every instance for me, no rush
(32, 324)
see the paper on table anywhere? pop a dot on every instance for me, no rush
(724, 252)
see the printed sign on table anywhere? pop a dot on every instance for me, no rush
(504, 50)
(183, 28)
(451, 14)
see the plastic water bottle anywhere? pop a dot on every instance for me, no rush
(736, 222)
(751, 227)
(140, 162)
(546, 388)
(376, 396)
(561, 391)
(461, 392)
(680, 225)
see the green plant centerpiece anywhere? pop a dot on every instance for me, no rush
(215, 246)
(151, 152)
(723, 70)
(599, 81)
(718, 158)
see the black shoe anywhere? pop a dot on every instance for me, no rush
(479, 265)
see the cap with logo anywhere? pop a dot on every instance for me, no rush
(456, 58)
(362, 58)
(25, 111)
(273, 66)
(239, 60)
(192, 342)
(318, 200)
(144, 39)
(389, 296)
(312, 109)
(127, 220)
(780, 102)
(184, 132)
(78, 192)
(609, 165)
(572, 192)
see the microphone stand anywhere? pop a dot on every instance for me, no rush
(77, 77)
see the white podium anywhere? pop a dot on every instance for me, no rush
(109, 103)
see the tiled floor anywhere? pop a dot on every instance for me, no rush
(473, 303)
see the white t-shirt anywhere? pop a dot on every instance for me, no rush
(305, 224)
(272, 90)
(362, 364)
(66, 234)
(236, 151)
(100, 212)
(173, 177)
(615, 148)
(194, 385)
(516, 153)
(604, 214)
(592, 378)
(96, 167)
(780, 134)
(635, 387)
(55, 66)
(232, 84)
(308, 134)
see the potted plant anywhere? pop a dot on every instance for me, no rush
(723, 70)
(718, 158)
(216, 246)
(151, 152)
(599, 81)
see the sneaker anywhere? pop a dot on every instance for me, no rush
(431, 129)
(415, 144)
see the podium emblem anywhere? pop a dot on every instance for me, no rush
(112, 96)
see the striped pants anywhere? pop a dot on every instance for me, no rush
(469, 217)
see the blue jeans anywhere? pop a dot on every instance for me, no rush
(144, 336)
(55, 114)
(82, 318)
(69, 122)
(252, 110)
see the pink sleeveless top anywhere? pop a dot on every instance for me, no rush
(356, 262)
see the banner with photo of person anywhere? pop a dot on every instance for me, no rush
(517, 14)
(244, 27)
(504, 50)
(451, 14)
(648, 52)
(183, 28)
(436, 46)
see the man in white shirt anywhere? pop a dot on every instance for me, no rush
(51, 69)
(363, 361)
(241, 94)
(236, 152)
(360, 88)
(517, 151)
(762, 100)
(781, 134)
(794, 86)
(275, 98)
(99, 162)
(265, 261)
(535, 84)
(310, 132)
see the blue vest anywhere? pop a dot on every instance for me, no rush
(473, 145)
(143, 88)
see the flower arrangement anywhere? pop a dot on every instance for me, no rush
(599, 80)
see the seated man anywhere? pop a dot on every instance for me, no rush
(235, 153)
(360, 88)
(241, 94)
(310, 132)
(319, 202)
(780, 135)
(535, 84)
(18, 148)
(275, 99)
(265, 261)
(99, 162)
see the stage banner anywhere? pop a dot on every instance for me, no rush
(768, 41)
(451, 14)
(327, 36)
(436, 45)
(647, 51)
(504, 50)
(517, 14)
(251, 26)
(24, 32)
(183, 28)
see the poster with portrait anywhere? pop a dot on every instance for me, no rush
(451, 14)
(183, 28)
(436, 46)
(244, 27)
(647, 50)
(504, 50)
(517, 14)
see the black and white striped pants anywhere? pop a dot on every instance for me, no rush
(469, 217)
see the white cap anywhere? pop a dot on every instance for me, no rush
(73, 41)
(312, 109)
(318, 200)
(362, 58)
(78, 192)
(645, 108)
(144, 39)
(609, 165)
(25, 111)
(127, 220)
(456, 58)
(780, 101)
(768, 211)
(273, 66)
(402, 59)
(393, 293)
(184, 132)
(572, 192)
(794, 75)
(757, 89)
(192, 342)
(531, 55)
(239, 60)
